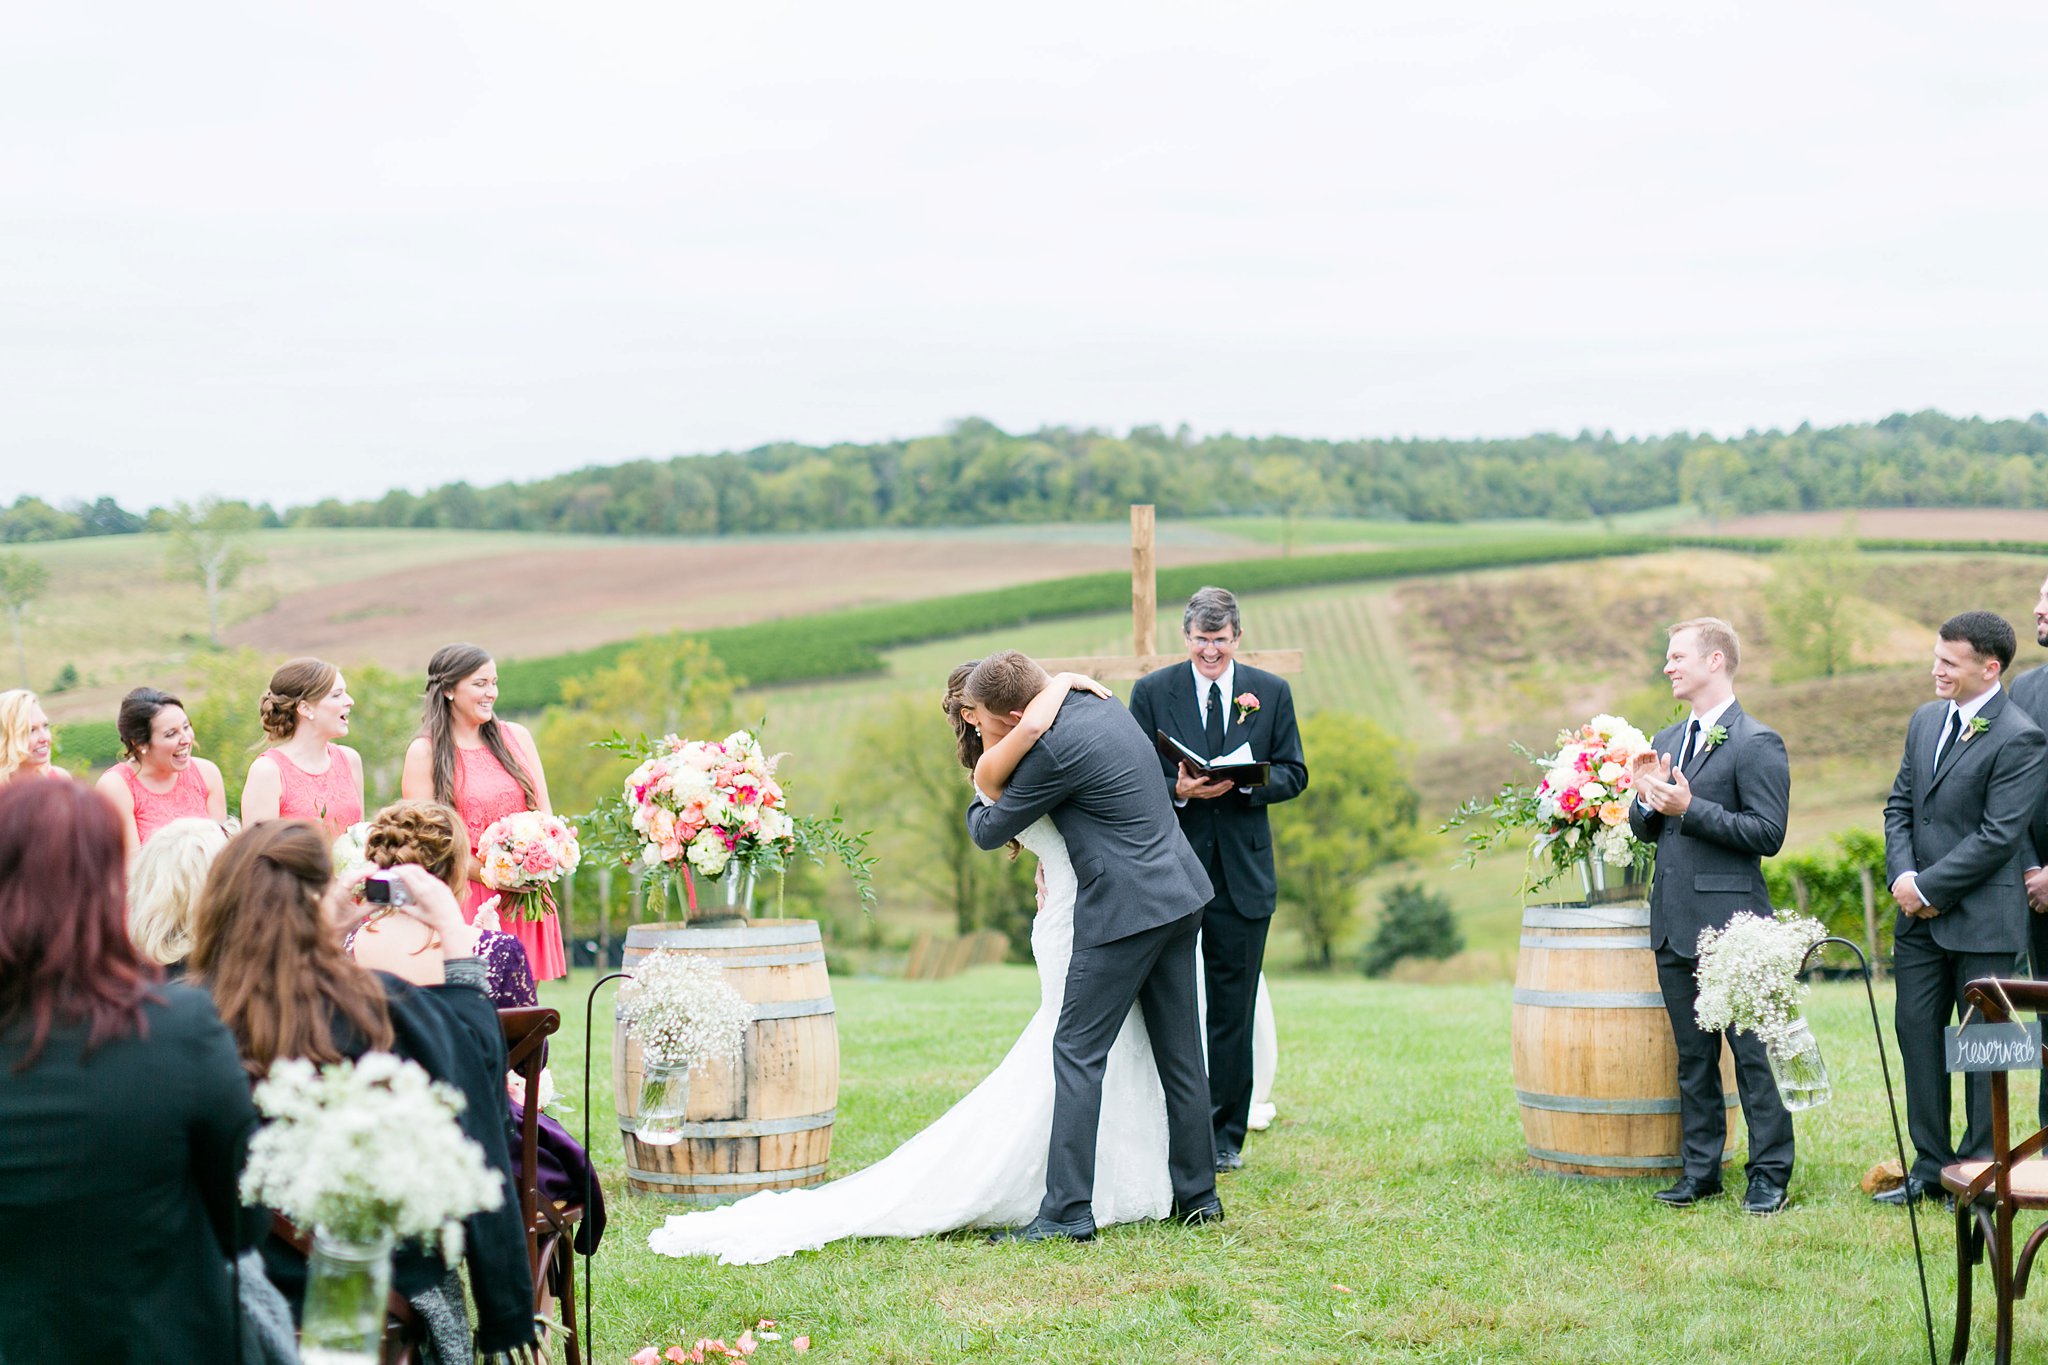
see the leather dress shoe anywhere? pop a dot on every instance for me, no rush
(1229, 1159)
(1914, 1190)
(1689, 1190)
(1045, 1230)
(1765, 1196)
(1210, 1211)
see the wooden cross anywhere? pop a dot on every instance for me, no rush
(1145, 656)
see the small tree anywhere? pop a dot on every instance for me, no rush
(659, 685)
(1810, 603)
(1357, 814)
(22, 581)
(1707, 478)
(209, 547)
(1414, 922)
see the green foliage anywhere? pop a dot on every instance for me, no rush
(1708, 478)
(224, 701)
(66, 680)
(208, 545)
(843, 643)
(656, 685)
(383, 722)
(90, 743)
(1414, 922)
(1358, 813)
(1815, 614)
(22, 581)
(1834, 886)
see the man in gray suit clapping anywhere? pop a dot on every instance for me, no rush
(1713, 795)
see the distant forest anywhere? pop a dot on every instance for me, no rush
(977, 473)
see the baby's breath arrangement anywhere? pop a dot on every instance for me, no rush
(367, 1149)
(682, 1010)
(1749, 975)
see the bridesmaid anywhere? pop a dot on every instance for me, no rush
(306, 776)
(486, 769)
(24, 737)
(161, 779)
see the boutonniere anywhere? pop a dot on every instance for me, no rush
(1978, 725)
(1246, 704)
(1716, 734)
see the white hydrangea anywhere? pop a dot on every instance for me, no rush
(1749, 975)
(367, 1149)
(683, 1011)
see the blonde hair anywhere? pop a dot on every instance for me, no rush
(164, 887)
(423, 832)
(1715, 634)
(297, 682)
(15, 705)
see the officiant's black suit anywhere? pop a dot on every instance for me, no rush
(1232, 837)
(1709, 868)
(1137, 906)
(1962, 826)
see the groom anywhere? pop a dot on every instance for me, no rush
(1137, 907)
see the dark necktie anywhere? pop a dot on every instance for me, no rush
(1692, 740)
(1213, 730)
(1948, 736)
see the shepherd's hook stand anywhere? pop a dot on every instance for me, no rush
(1898, 1138)
(590, 1161)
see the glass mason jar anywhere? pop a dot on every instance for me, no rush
(664, 1098)
(348, 1285)
(1801, 1074)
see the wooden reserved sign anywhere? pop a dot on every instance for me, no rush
(1993, 1047)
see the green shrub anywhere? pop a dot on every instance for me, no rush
(1834, 891)
(66, 680)
(1414, 922)
(89, 741)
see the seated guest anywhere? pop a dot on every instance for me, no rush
(164, 888)
(26, 741)
(267, 943)
(432, 836)
(124, 1111)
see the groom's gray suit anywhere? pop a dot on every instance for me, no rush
(1137, 907)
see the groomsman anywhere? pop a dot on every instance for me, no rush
(1212, 704)
(1956, 848)
(1713, 797)
(2030, 694)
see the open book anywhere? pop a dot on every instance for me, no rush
(1236, 766)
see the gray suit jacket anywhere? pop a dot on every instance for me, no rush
(1096, 774)
(1710, 859)
(2030, 693)
(1963, 827)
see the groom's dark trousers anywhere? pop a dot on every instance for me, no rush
(1139, 892)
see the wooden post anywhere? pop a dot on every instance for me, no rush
(1144, 586)
(1870, 920)
(1799, 892)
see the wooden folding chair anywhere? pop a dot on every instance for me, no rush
(550, 1225)
(1988, 1193)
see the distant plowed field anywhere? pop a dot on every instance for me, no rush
(1898, 523)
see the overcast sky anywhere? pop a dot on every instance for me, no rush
(287, 250)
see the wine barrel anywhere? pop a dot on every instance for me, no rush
(765, 1121)
(1595, 1070)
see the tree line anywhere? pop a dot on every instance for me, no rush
(977, 473)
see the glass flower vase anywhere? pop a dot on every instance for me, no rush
(664, 1098)
(739, 891)
(348, 1285)
(1796, 1064)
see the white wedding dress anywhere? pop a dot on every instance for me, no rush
(981, 1163)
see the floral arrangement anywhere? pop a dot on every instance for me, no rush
(350, 857)
(683, 1011)
(710, 803)
(745, 1344)
(1749, 976)
(522, 857)
(325, 1159)
(1578, 809)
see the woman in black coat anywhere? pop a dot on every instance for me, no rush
(124, 1111)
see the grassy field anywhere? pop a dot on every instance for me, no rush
(1388, 1216)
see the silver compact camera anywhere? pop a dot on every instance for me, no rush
(381, 888)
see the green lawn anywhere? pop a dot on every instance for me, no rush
(1387, 1216)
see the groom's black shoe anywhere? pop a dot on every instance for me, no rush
(1210, 1211)
(1045, 1230)
(1689, 1190)
(1228, 1158)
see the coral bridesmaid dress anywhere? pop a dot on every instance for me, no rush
(484, 793)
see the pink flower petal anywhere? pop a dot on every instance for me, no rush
(645, 1356)
(800, 1344)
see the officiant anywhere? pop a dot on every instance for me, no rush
(1222, 709)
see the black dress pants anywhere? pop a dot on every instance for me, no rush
(1702, 1110)
(1930, 981)
(1233, 952)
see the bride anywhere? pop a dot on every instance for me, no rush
(981, 1163)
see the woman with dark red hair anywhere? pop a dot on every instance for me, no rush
(124, 1110)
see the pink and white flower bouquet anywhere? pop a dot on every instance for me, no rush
(522, 856)
(1578, 810)
(709, 804)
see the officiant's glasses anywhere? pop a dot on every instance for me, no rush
(1211, 644)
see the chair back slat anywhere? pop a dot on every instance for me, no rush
(526, 1034)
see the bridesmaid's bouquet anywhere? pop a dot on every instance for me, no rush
(710, 804)
(522, 857)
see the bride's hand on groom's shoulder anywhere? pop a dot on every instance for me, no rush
(1080, 682)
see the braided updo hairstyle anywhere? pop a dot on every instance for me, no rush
(297, 682)
(423, 832)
